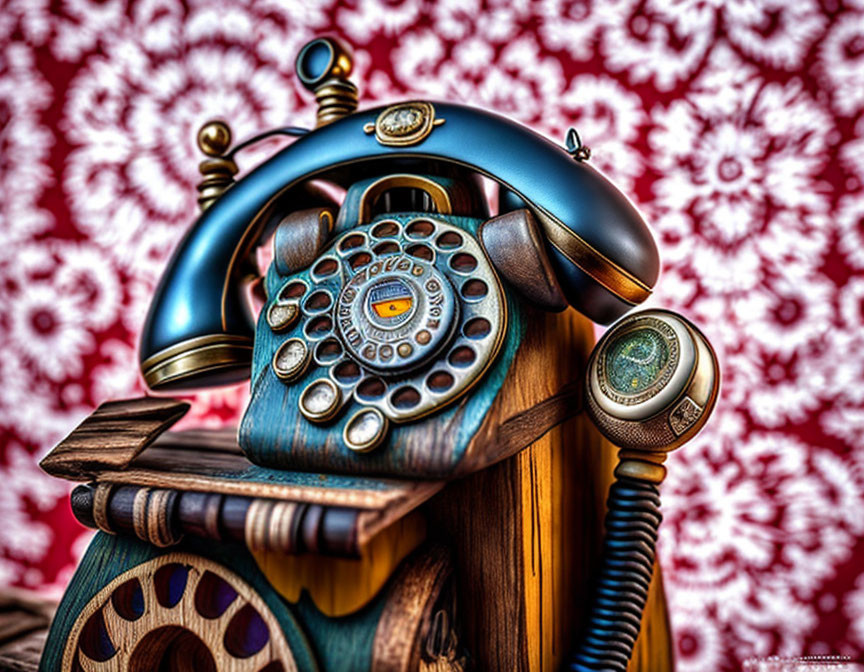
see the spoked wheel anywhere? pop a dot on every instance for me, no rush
(177, 613)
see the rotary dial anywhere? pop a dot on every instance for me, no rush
(403, 316)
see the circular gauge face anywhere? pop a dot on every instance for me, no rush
(638, 362)
(641, 366)
(395, 313)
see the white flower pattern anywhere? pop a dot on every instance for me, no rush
(736, 127)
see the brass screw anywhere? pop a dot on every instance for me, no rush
(214, 140)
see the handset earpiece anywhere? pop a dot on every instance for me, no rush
(515, 245)
(652, 383)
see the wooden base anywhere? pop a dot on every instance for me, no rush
(527, 535)
(24, 620)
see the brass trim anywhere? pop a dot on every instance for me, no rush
(404, 137)
(204, 353)
(620, 282)
(330, 412)
(376, 440)
(295, 373)
(436, 192)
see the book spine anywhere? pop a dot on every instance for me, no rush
(163, 516)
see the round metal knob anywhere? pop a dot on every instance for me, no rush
(214, 138)
(322, 59)
(652, 382)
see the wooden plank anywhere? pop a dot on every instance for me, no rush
(543, 388)
(222, 440)
(24, 621)
(234, 475)
(527, 532)
(408, 611)
(23, 654)
(112, 436)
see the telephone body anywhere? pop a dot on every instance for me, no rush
(392, 319)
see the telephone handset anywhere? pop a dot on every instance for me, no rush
(198, 331)
(386, 308)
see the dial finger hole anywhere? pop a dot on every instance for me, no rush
(359, 260)
(474, 290)
(128, 600)
(385, 248)
(365, 430)
(352, 242)
(319, 327)
(318, 301)
(463, 262)
(169, 583)
(421, 252)
(370, 389)
(405, 398)
(280, 316)
(347, 372)
(477, 328)
(292, 290)
(439, 381)
(247, 633)
(422, 228)
(385, 230)
(325, 268)
(449, 240)
(328, 351)
(320, 400)
(462, 357)
(275, 666)
(213, 595)
(291, 360)
(94, 641)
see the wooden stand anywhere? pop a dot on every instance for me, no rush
(524, 535)
(527, 536)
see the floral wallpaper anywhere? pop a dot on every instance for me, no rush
(737, 127)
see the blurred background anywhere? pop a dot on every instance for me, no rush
(737, 127)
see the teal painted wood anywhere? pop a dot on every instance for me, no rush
(274, 433)
(109, 556)
(342, 644)
(253, 473)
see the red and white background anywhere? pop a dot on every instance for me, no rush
(737, 127)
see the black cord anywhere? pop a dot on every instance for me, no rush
(622, 589)
(295, 131)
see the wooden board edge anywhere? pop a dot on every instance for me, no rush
(127, 426)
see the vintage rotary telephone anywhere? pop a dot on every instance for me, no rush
(390, 319)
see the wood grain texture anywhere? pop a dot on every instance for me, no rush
(527, 532)
(341, 586)
(22, 654)
(110, 556)
(112, 436)
(208, 461)
(408, 610)
(24, 621)
(190, 634)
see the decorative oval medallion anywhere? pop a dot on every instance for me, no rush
(404, 124)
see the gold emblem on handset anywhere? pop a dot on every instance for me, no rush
(404, 124)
